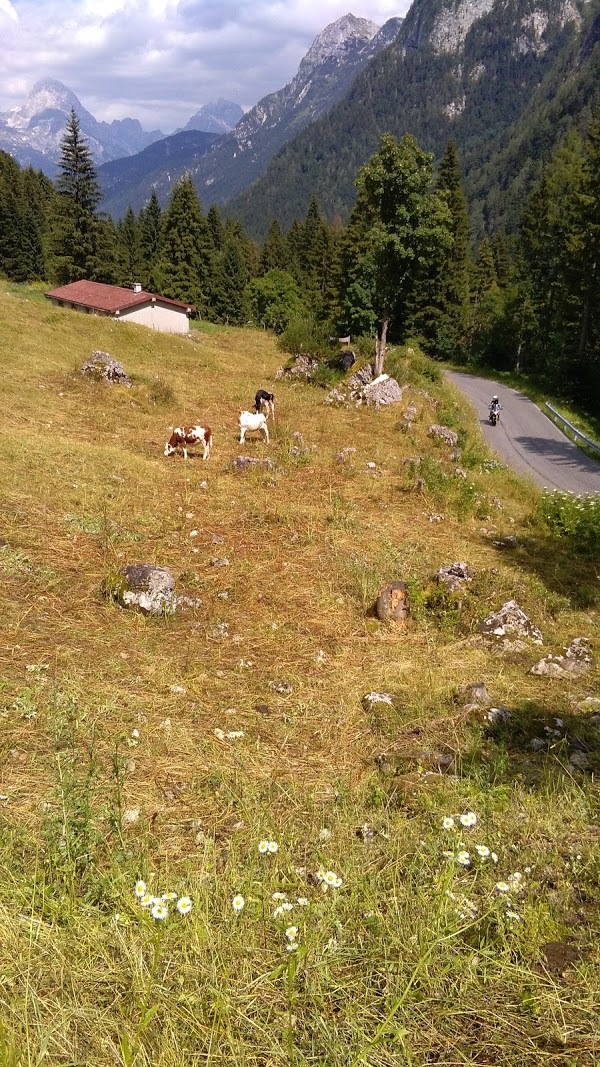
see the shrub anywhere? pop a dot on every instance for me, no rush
(574, 517)
(304, 335)
(161, 392)
(274, 300)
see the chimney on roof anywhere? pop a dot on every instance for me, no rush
(137, 288)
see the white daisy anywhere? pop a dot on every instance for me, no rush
(273, 847)
(263, 847)
(160, 911)
(168, 898)
(292, 946)
(282, 909)
(332, 879)
(303, 902)
(483, 851)
(447, 822)
(292, 933)
(469, 819)
(463, 858)
(512, 915)
(238, 903)
(147, 900)
(494, 856)
(503, 887)
(140, 889)
(184, 905)
(279, 896)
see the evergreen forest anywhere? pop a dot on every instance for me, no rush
(403, 266)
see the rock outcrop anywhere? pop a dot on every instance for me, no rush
(511, 621)
(102, 367)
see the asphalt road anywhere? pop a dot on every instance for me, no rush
(529, 442)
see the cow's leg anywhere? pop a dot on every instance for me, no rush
(206, 452)
(184, 452)
(265, 430)
(242, 434)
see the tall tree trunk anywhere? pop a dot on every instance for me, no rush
(382, 330)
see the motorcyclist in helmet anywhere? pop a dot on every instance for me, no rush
(495, 407)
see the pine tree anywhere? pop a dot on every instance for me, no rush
(129, 249)
(74, 233)
(315, 259)
(485, 269)
(215, 227)
(150, 229)
(449, 296)
(23, 203)
(294, 244)
(228, 287)
(274, 255)
(502, 260)
(585, 245)
(185, 259)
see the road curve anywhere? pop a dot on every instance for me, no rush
(529, 442)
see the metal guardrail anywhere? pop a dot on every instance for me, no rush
(573, 429)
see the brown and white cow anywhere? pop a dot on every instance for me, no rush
(185, 436)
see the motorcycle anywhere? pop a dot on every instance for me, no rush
(494, 416)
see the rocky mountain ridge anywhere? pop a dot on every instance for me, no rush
(504, 78)
(324, 75)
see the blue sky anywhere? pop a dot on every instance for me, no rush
(159, 60)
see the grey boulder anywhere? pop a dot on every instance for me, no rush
(102, 367)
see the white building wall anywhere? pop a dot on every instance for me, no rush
(158, 317)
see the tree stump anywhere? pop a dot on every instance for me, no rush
(393, 603)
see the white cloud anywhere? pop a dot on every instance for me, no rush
(159, 60)
(6, 8)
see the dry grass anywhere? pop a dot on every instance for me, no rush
(386, 974)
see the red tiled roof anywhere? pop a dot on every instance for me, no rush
(110, 298)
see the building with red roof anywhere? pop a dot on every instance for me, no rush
(126, 305)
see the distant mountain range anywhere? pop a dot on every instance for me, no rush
(127, 182)
(220, 116)
(325, 74)
(505, 78)
(32, 132)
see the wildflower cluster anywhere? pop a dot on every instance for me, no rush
(575, 517)
(505, 893)
(159, 906)
(508, 891)
(283, 906)
(328, 879)
(462, 856)
(265, 847)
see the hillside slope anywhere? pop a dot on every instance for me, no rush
(148, 758)
(128, 182)
(505, 78)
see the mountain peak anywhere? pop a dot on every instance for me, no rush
(346, 32)
(218, 116)
(47, 95)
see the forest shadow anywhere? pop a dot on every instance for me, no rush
(536, 744)
(563, 453)
(564, 571)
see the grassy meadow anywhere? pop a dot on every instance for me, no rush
(165, 750)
